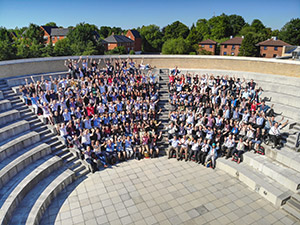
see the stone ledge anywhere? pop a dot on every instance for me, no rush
(24, 187)
(13, 129)
(9, 116)
(48, 194)
(258, 182)
(22, 161)
(283, 175)
(18, 143)
(5, 105)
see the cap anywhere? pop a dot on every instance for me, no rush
(213, 144)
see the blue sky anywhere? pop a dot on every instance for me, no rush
(131, 14)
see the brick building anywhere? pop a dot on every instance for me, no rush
(231, 46)
(136, 37)
(208, 45)
(54, 33)
(114, 41)
(271, 48)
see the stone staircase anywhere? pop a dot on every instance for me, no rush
(34, 164)
(165, 106)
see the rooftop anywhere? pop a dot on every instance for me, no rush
(273, 42)
(208, 42)
(117, 39)
(233, 41)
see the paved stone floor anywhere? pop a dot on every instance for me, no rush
(161, 191)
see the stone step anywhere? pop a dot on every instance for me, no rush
(287, 177)
(19, 163)
(256, 181)
(23, 209)
(13, 129)
(286, 110)
(45, 199)
(1, 95)
(27, 184)
(291, 210)
(5, 105)
(9, 116)
(279, 88)
(18, 143)
(285, 156)
(285, 99)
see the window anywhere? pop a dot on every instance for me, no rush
(275, 48)
(202, 46)
(232, 53)
(210, 46)
(274, 56)
(53, 38)
(225, 53)
(57, 37)
(225, 46)
(264, 55)
(233, 47)
(265, 47)
(46, 38)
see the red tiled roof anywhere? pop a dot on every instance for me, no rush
(272, 42)
(208, 42)
(233, 41)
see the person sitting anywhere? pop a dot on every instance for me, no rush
(275, 133)
(184, 148)
(239, 150)
(89, 159)
(212, 155)
(175, 143)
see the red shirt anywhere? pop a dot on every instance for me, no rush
(90, 110)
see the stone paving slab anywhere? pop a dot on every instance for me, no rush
(161, 191)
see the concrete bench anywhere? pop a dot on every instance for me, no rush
(18, 143)
(286, 110)
(13, 129)
(5, 105)
(22, 161)
(1, 95)
(284, 156)
(9, 116)
(25, 186)
(279, 88)
(255, 180)
(287, 177)
(48, 194)
(284, 99)
(21, 80)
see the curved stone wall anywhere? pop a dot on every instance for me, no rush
(257, 65)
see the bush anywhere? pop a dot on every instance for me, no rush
(132, 52)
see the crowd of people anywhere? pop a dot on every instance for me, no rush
(217, 116)
(108, 115)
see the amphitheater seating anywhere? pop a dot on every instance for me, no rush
(275, 176)
(35, 165)
(31, 153)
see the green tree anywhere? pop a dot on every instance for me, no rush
(219, 27)
(258, 25)
(62, 47)
(290, 32)
(48, 50)
(120, 50)
(175, 30)
(83, 36)
(151, 38)
(203, 28)
(176, 46)
(194, 36)
(34, 34)
(248, 47)
(7, 47)
(52, 24)
(237, 23)
(104, 31)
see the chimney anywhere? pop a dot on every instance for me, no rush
(113, 33)
(231, 36)
(243, 37)
(122, 34)
(274, 38)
